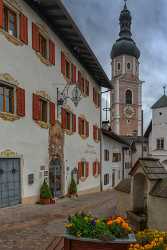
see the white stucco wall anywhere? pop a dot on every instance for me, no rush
(159, 128)
(24, 136)
(109, 166)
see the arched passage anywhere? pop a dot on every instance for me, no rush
(139, 193)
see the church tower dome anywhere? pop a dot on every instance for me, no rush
(125, 44)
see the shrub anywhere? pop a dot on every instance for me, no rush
(45, 192)
(72, 187)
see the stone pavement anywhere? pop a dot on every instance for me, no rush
(36, 227)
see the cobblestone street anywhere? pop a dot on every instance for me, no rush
(36, 226)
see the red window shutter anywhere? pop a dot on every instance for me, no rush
(80, 169)
(74, 74)
(79, 125)
(87, 88)
(74, 123)
(23, 29)
(36, 107)
(87, 129)
(63, 118)
(63, 61)
(20, 95)
(99, 168)
(94, 168)
(99, 134)
(87, 169)
(79, 78)
(94, 95)
(94, 132)
(35, 37)
(52, 113)
(1, 13)
(51, 52)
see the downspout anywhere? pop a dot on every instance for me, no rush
(142, 133)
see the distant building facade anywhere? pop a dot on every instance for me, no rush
(156, 131)
(116, 159)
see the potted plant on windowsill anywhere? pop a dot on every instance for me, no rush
(86, 232)
(45, 194)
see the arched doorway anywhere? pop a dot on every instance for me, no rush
(56, 156)
(139, 193)
(55, 177)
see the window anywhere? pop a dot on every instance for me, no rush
(128, 66)
(127, 165)
(43, 46)
(6, 99)
(128, 97)
(113, 178)
(44, 110)
(10, 21)
(116, 157)
(83, 84)
(83, 127)
(96, 133)
(68, 120)
(106, 155)
(160, 144)
(106, 179)
(68, 69)
(83, 169)
(96, 98)
(119, 66)
(96, 168)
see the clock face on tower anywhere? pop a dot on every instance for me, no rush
(129, 112)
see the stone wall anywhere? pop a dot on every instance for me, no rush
(157, 209)
(123, 202)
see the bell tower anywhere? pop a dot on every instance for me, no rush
(126, 97)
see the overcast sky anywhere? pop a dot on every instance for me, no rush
(98, 21)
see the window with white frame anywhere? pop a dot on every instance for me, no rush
(160, 143)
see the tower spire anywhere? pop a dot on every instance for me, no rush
(125, 20)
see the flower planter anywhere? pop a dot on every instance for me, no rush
(73, 243)
(45, 201)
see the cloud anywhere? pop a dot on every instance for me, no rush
(99, 22)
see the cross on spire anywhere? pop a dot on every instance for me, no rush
(125, 7)
(164, 87)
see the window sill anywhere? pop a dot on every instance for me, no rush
(44, 125)
(82, 179)
(68, 132)
(11, 38)
(84, 137)
(97, 141)
(96, 175)
(43, 60)
(9, 116)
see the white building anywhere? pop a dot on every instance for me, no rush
(157, 131)
(42, 52)
(116, 159)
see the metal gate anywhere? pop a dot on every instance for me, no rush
(10, 185)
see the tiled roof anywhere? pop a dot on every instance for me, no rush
(131, 139)
(161, 103)
(160, 189)
(115, 137)
(152, 168)
(124, 186)
(54, 13)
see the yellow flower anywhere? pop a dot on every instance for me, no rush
(68, 225)
(97, 221)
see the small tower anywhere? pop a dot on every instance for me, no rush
(126, 98)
